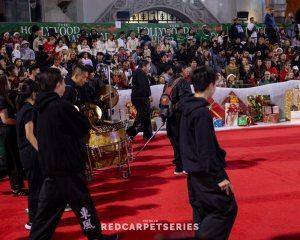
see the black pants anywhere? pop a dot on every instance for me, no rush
(55, 193)
(16, 174)
(142, 122)
(213, 210)
(272, 35)
(173, 125)
(29, 159)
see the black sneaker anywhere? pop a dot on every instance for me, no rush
(28, 226)
(107, 237)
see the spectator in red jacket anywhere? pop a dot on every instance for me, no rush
(271, 69)
(284, 73)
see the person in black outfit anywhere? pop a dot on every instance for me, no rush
(209, 188)
(8, 138)
(33, 70)
(141, 98)
(33, 35)
(181, 89)
(59, 130)
(75, 91)
(28, 147)
(236, 30)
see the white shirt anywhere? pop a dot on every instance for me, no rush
(122, 43)
(250, 27)
(132, 44)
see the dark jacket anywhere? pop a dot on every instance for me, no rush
(140, 85)
(26, 114)
(181, 89)
(270, 21)
(200, 151)
(60, 128)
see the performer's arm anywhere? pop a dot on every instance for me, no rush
(30, 135)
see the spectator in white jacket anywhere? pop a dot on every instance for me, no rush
(111, 45)
(252, 31)
(39, 40)
(101, 45)
(61, 46)
(84, 47)
(132, 42)
(57, 65)
(16, 52)
(122, 40)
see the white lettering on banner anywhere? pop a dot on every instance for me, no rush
(25, 30)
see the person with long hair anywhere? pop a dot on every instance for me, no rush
(8, 138)
(27, 143)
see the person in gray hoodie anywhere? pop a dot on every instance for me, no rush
(26, 52)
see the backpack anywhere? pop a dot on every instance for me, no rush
(165, 103)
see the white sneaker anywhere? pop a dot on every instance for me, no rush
(26, 210)
(184, 172)
(68, 208)
(28, 226)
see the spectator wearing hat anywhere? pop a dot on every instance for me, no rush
(26, 53)
(17, 38)
(16, 52)
(232, 68)
(39, 40)
(204, 35)
(7, 40)
(236, 30)
(296, 72)
(231, 81)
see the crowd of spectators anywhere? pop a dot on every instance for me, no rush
(244, 56)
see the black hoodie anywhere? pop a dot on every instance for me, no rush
(200, 151)
(60, 128)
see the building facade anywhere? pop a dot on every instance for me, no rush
(142, 11)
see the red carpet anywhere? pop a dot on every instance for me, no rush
(264, 166)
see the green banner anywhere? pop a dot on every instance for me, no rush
(156, 31)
